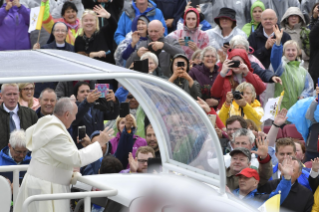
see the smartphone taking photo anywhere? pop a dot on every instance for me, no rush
(81, 132)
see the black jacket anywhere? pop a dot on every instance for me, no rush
(257, 41)
(101, 41)
(314, 50)
(27, 118)
(299, 198)
(93, 120)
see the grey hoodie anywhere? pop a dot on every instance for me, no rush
(295, 32)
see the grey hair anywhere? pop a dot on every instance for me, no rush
(63, 105)
(239, 40)
(207, 49)
(244, 132)
(49, 90)
(299, 163)
(17, 138)
(150, 55)
(9, 84)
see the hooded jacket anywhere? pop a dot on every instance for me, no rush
(223, 84)
(216, 38)
(252, 111)
(194, 91)
(6, 160)
(14, 25)
(196, 35)
(280, 7)
(124, 49)
(295, 32)
(251, 27)
(129, 13)
(242, 7)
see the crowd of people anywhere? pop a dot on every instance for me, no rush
(229, 56)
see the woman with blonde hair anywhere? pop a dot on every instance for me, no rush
(125, 140)
(95, 42)
(242, 103)
(26, 96)
(296, 81)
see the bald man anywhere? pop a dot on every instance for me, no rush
(164, 48)
(262, 40)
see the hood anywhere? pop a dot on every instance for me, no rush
(135, 20)
(180, 56)
(257, 3)
(151, 6)
(5, 156)
(197, 15)
(42, 132)
(243, 54)
(292, 11)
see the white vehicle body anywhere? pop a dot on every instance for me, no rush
(174, 116)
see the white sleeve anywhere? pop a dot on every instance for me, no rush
(90, 154)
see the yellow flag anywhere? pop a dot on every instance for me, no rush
(279, 102)
(40, 18)
(271, 205)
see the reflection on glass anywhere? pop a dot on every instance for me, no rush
(187, 137)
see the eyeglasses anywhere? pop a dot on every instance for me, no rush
(28, 89)
(20, 152)
(130, 97)
(60, 31)
(142, 161)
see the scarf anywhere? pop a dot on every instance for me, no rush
(73, 26)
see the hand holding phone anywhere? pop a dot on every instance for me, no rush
(124, 109)
(186, 39)
(103, 88)
(81, 132)
(234, 64)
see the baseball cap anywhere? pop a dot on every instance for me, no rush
(242, 150)
(249, 172)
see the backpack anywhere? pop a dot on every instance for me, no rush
(304, 36)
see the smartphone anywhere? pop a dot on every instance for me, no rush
(81, 132)
(186, 39)
(124, 109)
(141, 65)
(103, 88)
(150, 48)
(235, 63)
(154, 165)
(226, 44)
(180, 64)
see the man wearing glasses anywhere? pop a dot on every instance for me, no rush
(140, 163)
(15, 153)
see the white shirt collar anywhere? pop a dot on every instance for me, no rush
(15, 110)
(265, 34)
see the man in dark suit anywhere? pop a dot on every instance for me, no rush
(299, 198)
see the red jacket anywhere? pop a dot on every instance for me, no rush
(222, 84)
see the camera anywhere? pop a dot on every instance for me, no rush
(180, 64)
(237, 94)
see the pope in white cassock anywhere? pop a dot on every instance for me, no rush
(54, 155)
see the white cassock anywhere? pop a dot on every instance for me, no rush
(54, 155)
